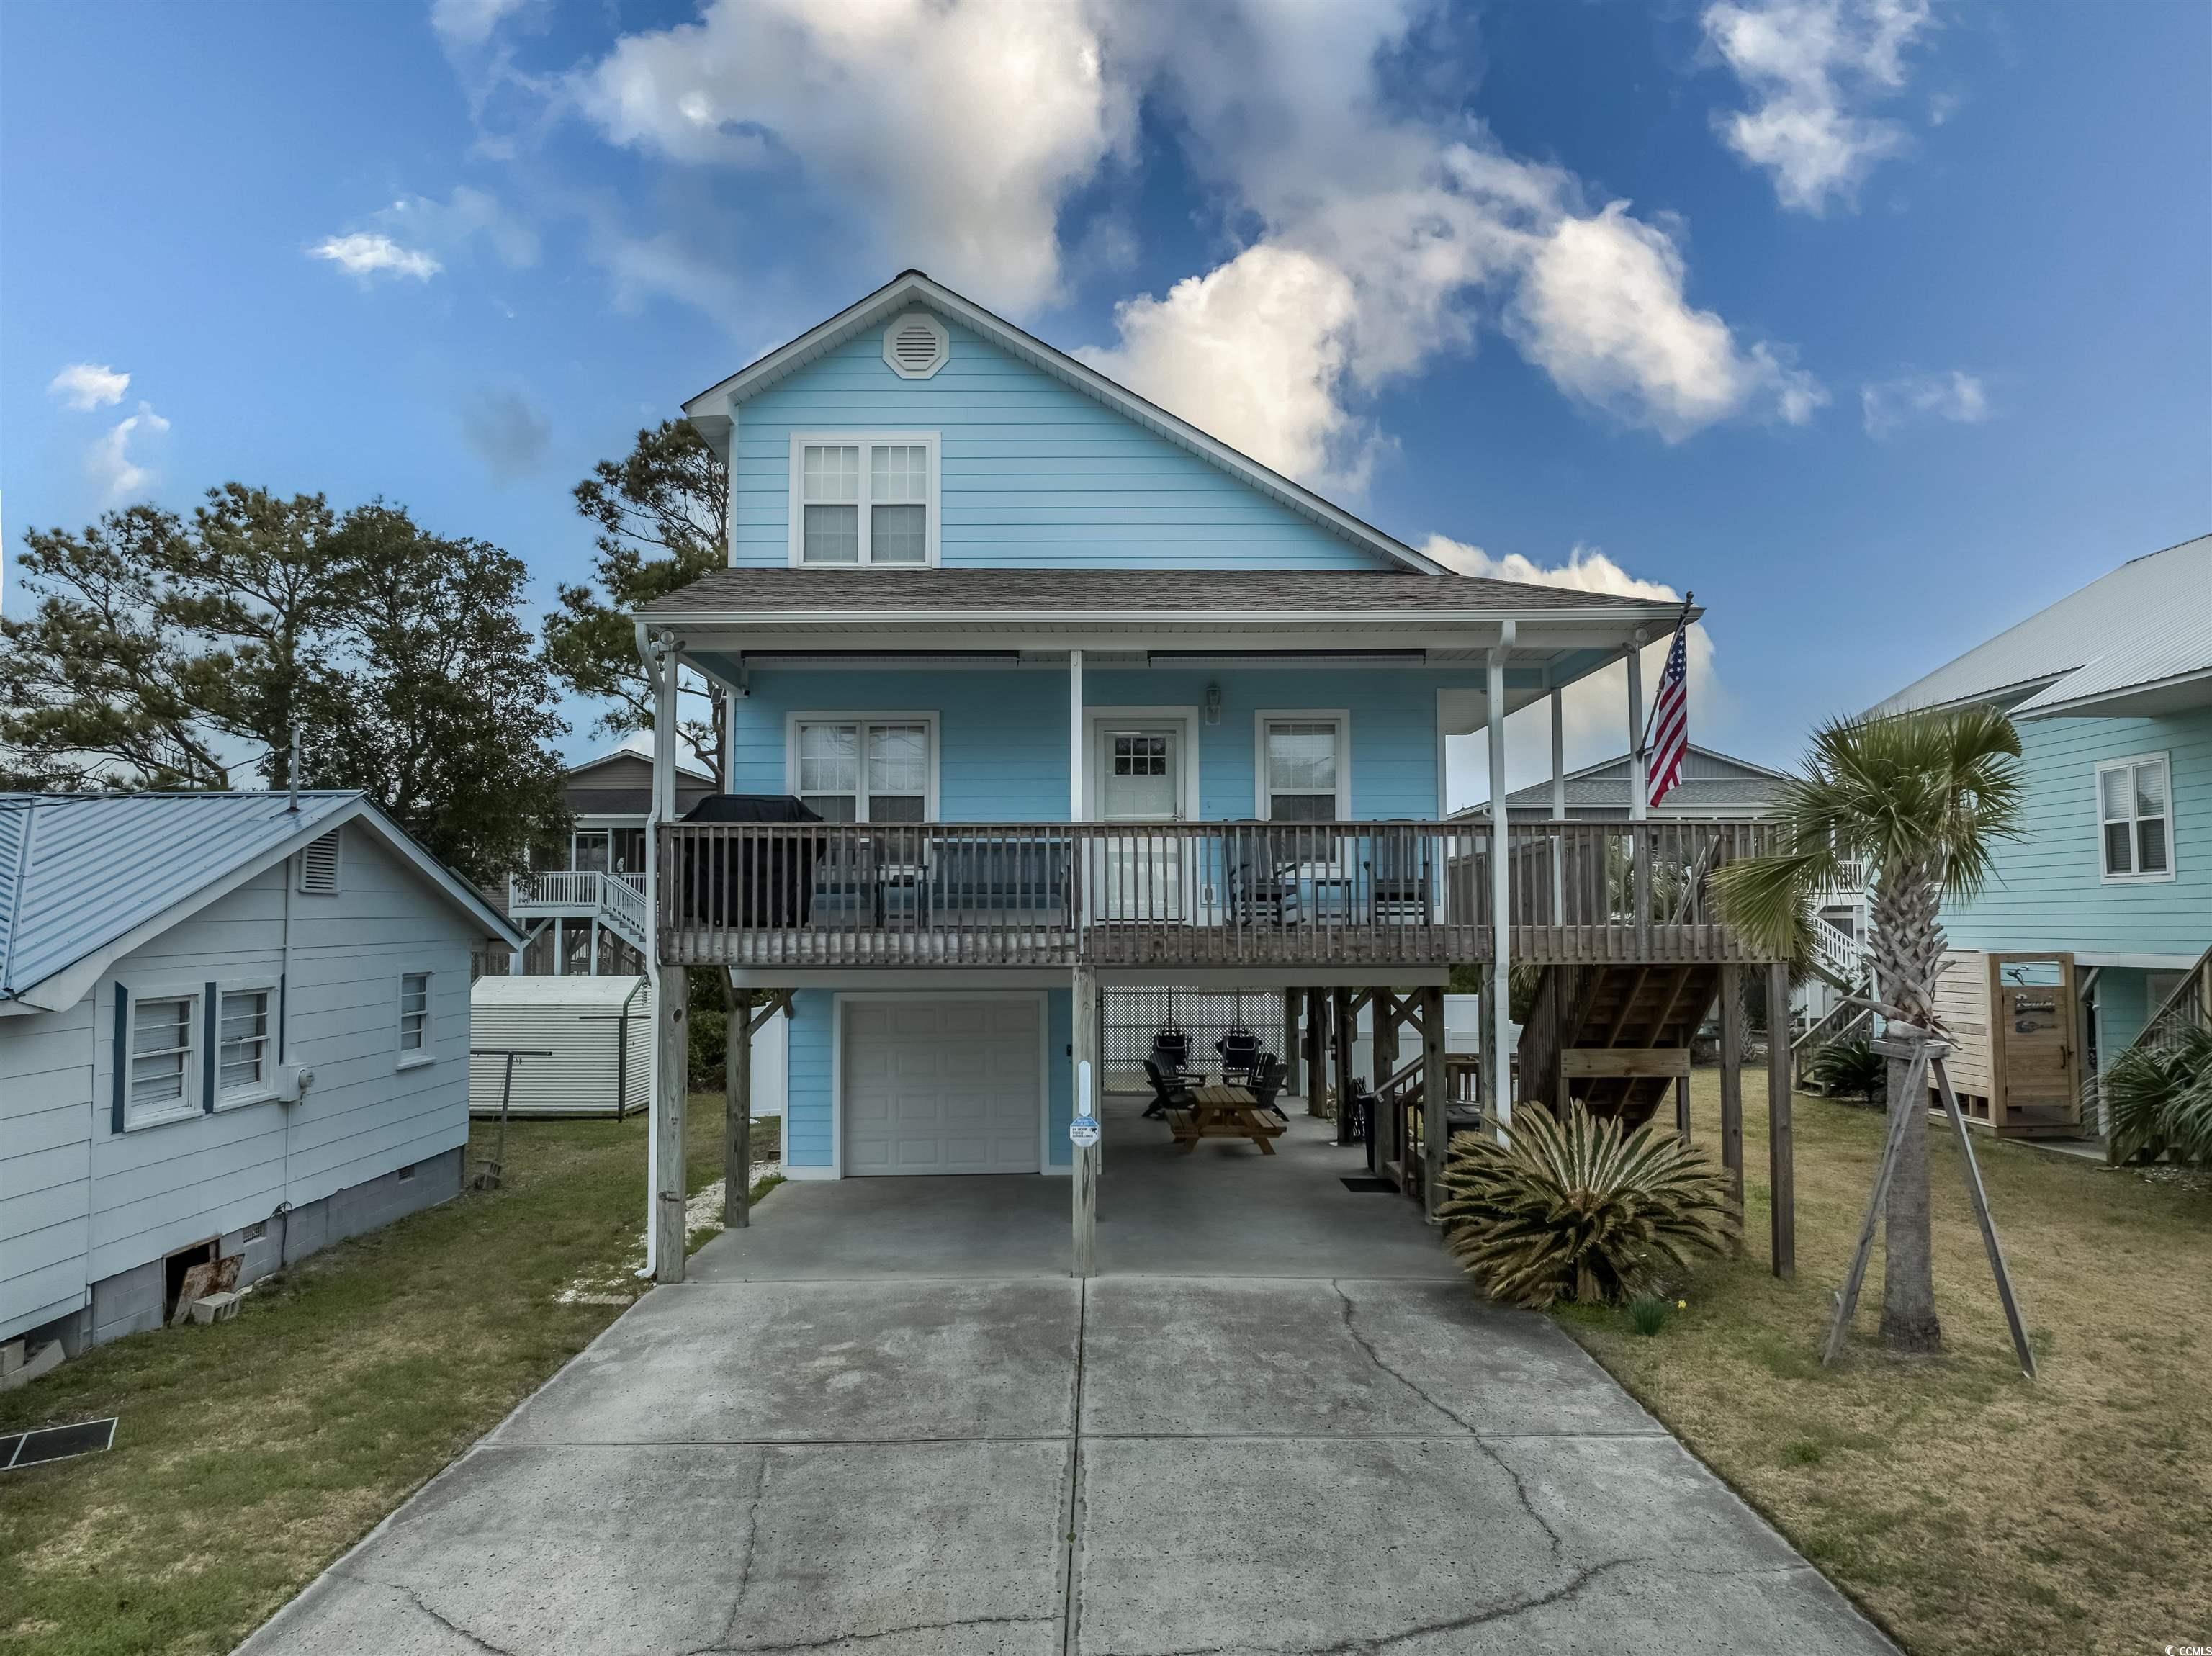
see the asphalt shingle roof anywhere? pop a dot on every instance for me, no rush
(1123, 592)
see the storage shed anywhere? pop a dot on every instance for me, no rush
(600, 1031)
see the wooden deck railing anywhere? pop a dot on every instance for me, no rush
(1186, 893)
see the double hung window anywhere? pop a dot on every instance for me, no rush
(1303, 768)
(2136, 819)
(242, 1050)
(864, 499)
(160, 1081)
(863, 770)
(415, 1017)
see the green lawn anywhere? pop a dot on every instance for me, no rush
(252, 1453)
(1967, 1509)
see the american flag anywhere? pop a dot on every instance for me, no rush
(1670, 737)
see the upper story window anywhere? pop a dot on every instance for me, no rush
(1302, 767)
(863, 770)
(863, 498)
(2135, 811)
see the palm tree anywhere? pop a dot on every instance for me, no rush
(1922, 798)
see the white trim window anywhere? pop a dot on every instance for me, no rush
(866, 769)
(1303, 766)
(241, 1059)
(863, 498)
(2135, 818)
(415, 1031)
(164, 1077)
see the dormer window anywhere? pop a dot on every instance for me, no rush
(863, 498)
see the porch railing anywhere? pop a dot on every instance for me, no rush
(572, 891)
(1187, 894)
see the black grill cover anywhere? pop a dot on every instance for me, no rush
(748, 883)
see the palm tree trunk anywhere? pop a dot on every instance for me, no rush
(1908, 1273)
(1909, 948)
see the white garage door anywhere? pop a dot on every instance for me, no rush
(941, 1086)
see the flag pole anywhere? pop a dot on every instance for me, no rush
(1651, 714)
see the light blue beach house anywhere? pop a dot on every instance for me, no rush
(2103, 907)
(1082, 697)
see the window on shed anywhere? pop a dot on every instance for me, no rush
(414, 1015)
(242, 1055)
(2135, 820)
(161, 1057)
(1301, 770)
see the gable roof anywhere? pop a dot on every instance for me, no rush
(709, 411)
(636, 745)
(1711, 779)
(86, 877)
(2135, 641)
(1247, 595)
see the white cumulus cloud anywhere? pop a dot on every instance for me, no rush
(111, 462)
(958, 127)
(87, 385)
(1812, 68)
(369, 254)
(1957, 397)
(1594, 709)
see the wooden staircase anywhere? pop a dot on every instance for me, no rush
(1614, 1037)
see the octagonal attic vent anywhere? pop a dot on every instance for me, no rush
(916, 345)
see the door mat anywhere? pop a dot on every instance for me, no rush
(1366, 1184)
(23, 1449)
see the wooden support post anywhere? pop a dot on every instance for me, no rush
(1344, 1026)
(1088, 1092)
(1781, 1153)
(1385, 1148)
(1732, 1081)
(1435, 1101)
(1316, 1052)
(1682, 1106)
(737, 1105)
(672, 1080)
(1291, 1067)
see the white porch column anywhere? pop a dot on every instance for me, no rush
(1075, 735)
(1501, 1061)
(1559, 755)
(670, 1048)
(1639, 794)
(592, 966)
(559, 948)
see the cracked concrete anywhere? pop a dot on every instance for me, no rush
(942, 1461)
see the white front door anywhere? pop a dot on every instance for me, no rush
(942, 1087)
(1140, 782)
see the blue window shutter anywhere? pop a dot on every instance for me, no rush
(207, 1057)
(122, 1056)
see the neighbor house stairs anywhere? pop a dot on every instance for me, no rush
(1614, 1037)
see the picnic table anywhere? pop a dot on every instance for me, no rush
(1221, 1111)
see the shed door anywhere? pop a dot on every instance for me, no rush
(942, 1087)
(2032, 1015)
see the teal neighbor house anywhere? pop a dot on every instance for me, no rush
(1036, 689)
(2104, 904)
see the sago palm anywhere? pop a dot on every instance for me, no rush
(1922, 799)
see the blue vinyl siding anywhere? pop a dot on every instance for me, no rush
(809, 1108)
(2047, 893)
(1002, 735)
(1036, 473)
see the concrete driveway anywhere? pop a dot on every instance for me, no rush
(1148, 1465)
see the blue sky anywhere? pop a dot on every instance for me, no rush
(1879, 326)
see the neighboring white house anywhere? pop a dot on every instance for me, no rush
(230, 1023)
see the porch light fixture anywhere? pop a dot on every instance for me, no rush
(1213, 704)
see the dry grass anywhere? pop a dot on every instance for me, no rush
(1967, 1509)
(252, 1453)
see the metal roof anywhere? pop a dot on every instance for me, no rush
(1124, 594)
(1711, 779)
(2138, 640)
(81, 872)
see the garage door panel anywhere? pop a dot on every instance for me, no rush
(941, 1087)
